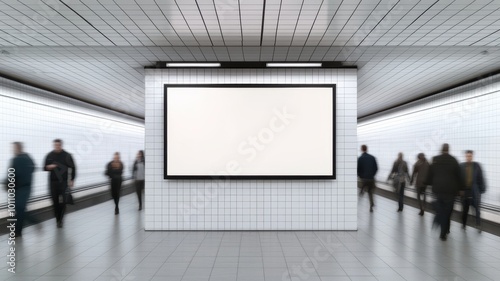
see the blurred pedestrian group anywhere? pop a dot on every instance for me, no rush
(61, 169)
(447, 178)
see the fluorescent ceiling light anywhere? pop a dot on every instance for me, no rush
(275, 64)
(196, 64)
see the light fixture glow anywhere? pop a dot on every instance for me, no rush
(275, 64)
(197, 64)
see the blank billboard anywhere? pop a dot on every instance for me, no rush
(235, 131)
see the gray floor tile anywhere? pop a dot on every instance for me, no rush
(388, 246)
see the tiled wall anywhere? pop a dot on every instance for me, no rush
(89, 133)
(467, 117)
(254, 204)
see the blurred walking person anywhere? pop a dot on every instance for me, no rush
(138, 175)
(445, 178)
(61, 166)
(419, 175)
(114, 171)
(474, 186)
(399, 174)
(23, 167)
(367, 168)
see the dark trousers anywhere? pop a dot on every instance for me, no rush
(401, 196)
(421, 201)
(368, 185)
(466, 203)
(116, 186)
(22, 196)
(444, 208)
(57, 192)
(139, 187)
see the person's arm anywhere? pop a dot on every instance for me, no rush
(71, 164)
(49, 166)
(414, 174)
(460, 179)
(107, 170)
(430, 174)
(407, 171)
(393, 170)
(481, 182)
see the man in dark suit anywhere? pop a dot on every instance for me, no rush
(61, 166)
(472, 176)
(367, 168)
(445, 178)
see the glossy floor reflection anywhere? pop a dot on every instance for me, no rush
(97, 245)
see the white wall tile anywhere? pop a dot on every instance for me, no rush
(467, 117)
(251, 205)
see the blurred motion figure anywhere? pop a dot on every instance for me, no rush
(474, 186)
(138, 175)
(114, 171)
(419, 175)
(399, 174)
(445, 177)
(24, 168)
(367, 168)
(60, 163)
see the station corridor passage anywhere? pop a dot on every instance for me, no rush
(97, 245)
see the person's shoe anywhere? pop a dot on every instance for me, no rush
(140, 207)
(442, 237)
(463, 226)
(421, 213)
(400, 210)
(479, 228)
(371, 209)
(59, 224)
(117, 211)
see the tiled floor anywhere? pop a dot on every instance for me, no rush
(97, 245)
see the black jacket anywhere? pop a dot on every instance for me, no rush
(444, 175)
(478, 183)
(419, 175)
(367, 166)
(24, 168)
(64, 162)
(114, 173)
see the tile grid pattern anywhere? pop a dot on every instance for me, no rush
(97, 245)
(237, 23)
(252, 205)
(466, 117)
(91, 134)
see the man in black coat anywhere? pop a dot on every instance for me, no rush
(367, 168)
(59, 163)
(474, 186)
(445, 178)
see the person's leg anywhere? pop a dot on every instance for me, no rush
(476, 204)
(465, 211)
(449, 202)
(115, 195)
(139, 186)
(22, 195)
(54, 194)
(118, 190)
(62, 205)
(401, 197)
(370, 185)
